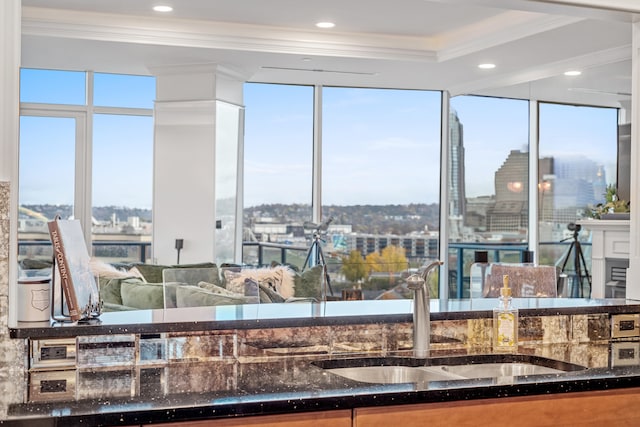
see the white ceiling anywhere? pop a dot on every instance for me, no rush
(376, 43)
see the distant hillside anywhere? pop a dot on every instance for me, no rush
(374, 219)
(102, 213)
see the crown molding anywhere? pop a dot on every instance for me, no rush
(616, 10)
(631, 6)
(502, 28)
(497, 30)
(219, 35)
(542, 71)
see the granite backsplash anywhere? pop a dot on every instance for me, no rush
(179, 362)
(12, 352)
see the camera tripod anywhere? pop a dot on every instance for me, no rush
(315, 256)
(579, 263)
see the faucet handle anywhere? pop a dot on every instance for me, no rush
(415, 282)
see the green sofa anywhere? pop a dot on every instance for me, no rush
(149, 292)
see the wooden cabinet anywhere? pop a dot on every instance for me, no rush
(617, 408)
(308, 419)
(597, 408)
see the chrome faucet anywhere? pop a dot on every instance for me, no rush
(421, 312)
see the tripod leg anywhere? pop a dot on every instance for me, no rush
(564, 265)
(576, 265)
(308, 259)
(566, 257)
(324, 270)
(586, 271)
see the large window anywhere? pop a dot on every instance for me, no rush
(278, 165)
(577, 161)
(61, 163)
(378, 181)
(122, 186)
(488, 191)
(377, 175)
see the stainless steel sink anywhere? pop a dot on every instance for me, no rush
(392, 370)
(497, 370)
(395, 374)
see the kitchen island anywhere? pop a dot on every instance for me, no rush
(258, 369)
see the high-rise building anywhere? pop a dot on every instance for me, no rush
(580, 178)
(457, 196)
(510, 213)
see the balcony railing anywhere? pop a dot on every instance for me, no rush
(462, 255)
(111, 251)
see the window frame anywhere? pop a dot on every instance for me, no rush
(84, 115)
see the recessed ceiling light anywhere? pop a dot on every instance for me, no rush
(325, 25)
(306, 59)
(487, 66)
(162, 8)
(572, 73)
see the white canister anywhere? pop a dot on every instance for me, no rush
(34, 299)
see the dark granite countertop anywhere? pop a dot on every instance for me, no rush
(195, 391)
(306, 314)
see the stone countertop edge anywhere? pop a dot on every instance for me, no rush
(110, 324)
(204, 406)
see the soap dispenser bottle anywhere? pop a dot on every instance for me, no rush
(505, 321)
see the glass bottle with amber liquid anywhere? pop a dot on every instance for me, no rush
(505, 321)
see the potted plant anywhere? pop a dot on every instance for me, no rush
(613, 207)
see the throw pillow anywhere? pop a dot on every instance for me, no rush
(110, 291)
(234, 281)
(142, 295)
(194, 296)
(268, 295)
(280, 279)
(228, 267)
(215, 289)
(240, 283)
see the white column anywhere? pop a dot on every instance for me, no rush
(10, 15)
(633, 274)
(184, 159)
(10, 36)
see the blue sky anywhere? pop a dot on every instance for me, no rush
(123, 144)
(379, 146)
